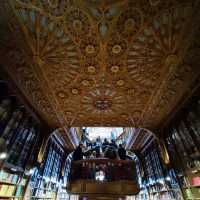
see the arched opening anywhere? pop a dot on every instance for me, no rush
(83, 168)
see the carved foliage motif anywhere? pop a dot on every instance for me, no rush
(109, 61)
(23, 74)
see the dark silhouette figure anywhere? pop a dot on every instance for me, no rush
(113, 144)
(78, 153)
(105, 145)
(98, 146)
(110, 153)
(122, 152)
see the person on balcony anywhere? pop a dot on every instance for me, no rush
(105, 145)
(110, 153)
(113, 144)
(98, 146)
(94, 144)
(98, 141)
(122, 152)
(78, 153)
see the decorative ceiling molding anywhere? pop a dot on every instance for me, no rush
(103, 63)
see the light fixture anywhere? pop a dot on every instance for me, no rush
(30, 172)
(161, 181)
(194, 171)
(3, 155)
(47, 179)
(13, 169)
(100, 176)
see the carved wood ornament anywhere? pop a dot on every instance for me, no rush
(102, 63)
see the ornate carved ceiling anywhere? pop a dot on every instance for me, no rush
(102, 63)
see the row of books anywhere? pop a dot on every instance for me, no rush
(8, 178)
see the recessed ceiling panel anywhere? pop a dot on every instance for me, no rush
(103, 63)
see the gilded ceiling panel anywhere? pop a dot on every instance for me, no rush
(108, 63)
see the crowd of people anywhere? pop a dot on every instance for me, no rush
(99, 149)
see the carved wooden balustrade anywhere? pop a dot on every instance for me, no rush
(103, 176)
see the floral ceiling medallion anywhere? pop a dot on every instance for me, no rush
(102, 60)
(102, 104)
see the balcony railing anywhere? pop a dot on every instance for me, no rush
(100, 176)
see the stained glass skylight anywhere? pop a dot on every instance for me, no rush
(103, 132)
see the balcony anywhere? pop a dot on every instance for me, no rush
(103, 177)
